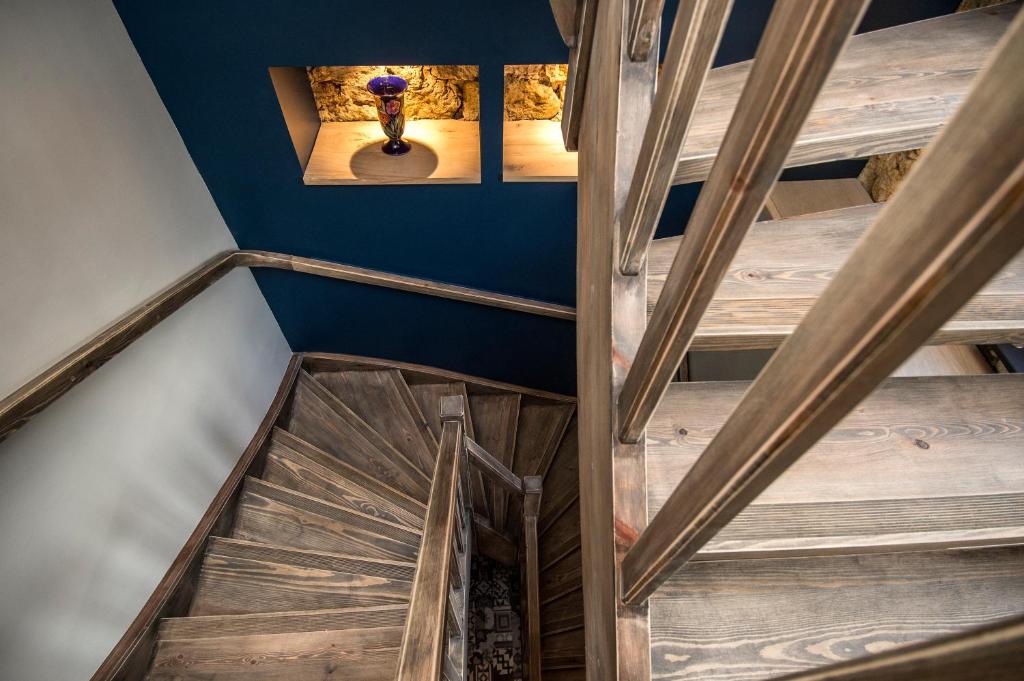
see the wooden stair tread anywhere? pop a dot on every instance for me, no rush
(402, 570)
(350, 654)
(276, 515)
(784, 265)
(755, 619)
(890, 90)
(229, 585)
(215, 626)
(495, 417)
(320, 418)
(288, 467)
(383, 400)
(924, 461)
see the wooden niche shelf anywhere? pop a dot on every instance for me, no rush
(444, 151)
(532, 146)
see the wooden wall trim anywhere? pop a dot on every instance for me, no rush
(129, 660)
(17, 408)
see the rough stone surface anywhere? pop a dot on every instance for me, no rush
(883, 173)
(437, 92)
(534, 91)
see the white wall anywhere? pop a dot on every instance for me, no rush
(100, 207)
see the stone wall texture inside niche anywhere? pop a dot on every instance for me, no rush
(534, 92)
(435, 92)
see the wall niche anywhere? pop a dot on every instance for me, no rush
(532, 146)
(332, 121)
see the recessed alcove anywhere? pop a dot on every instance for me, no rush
(532, 146)
(332, 122)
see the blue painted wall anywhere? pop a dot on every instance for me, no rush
(209, 62)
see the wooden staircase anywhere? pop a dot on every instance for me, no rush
(314, 575)
(835, 518)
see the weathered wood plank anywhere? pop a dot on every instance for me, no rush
(613, 504)
(783, 266)
(644, 23)
(423, 640)
(696, 33)
(799, 46)
(579, 72)
(564, 12)
(802, 197)
(533, 490)
(741, 620)
(493, 468)
(891, 90)
(214, 626)
(495, 418)
(562, 483)
(955, 222)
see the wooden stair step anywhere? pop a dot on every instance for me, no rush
(276, 515)
(320, 418)
(401, 570)
(755, 619)
(783, 266)
(214, 626)
(890, 90)
(289, 467)
(383, 400)
(350, 654)
(922, 462)
(229, 585)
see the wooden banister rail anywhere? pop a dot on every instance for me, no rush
(696, 32)
(992, 653)
(801, 42)
(493, 468)
(579, 69)
(423, 642)
(17, 408)
(956, 221)
(532, 489)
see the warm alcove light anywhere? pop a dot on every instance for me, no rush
(332, 118)
(532, 146)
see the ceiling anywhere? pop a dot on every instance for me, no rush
(209, 63)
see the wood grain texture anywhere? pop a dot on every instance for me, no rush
(534, 151)
(783, 266)
(891, 90)
(955, 222)
(561, 578)
(274, 515)
(755, 619)
(801, 42)
(494, 544)
(233, 586)
(399, 570)
(423, 640)
(562, 482)
(538, 433)
(611, 319)
(803, 197)
(287, 468)
(214, 626)
(130, 657)
(494, 470)
(382, 399)
(696, 32)
(495, 418)
(323, 420)
(574, 101)
(352, 654)
(644, 24)
(331, 469)
(562, 537)
(992, 653)
(564, 12)
(533, 493)
(348, 153)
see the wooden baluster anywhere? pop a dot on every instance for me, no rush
(644, 20)
(955, 222)
(696, 32)
(579, 70)
(423, 642)
(801, 42)
(532, 489)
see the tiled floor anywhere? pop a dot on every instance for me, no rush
(495, 634)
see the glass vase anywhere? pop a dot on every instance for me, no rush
(389, 93)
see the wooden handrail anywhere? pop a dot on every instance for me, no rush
(956, 221)
(17, 408)
(423, 642)
(801, 42)
(992, 653)
(531, 511)
(492, 468)
(644, 21)
(696, 32)
(579, 68)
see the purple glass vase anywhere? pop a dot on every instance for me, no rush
(389, 93)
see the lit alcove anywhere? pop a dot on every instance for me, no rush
(332, 120)
(532, 146)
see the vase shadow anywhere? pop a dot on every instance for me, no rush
(370, 163)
